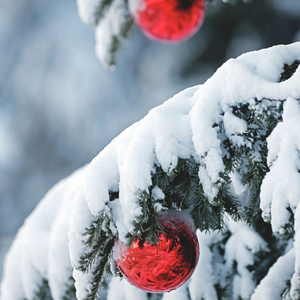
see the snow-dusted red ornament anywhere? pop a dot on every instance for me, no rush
(164, 267)
(168, 20)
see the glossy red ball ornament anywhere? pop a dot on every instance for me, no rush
(168, 20)
(164, 267)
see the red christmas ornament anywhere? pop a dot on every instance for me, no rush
(168, 20)
(164, 267)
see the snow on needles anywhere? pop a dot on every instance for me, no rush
(111, 19)
(182, 127)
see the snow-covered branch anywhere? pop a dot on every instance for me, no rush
(234, 123)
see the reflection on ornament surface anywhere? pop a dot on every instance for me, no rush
(168, 20)
(164, 267)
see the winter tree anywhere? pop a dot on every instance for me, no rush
(226, 153)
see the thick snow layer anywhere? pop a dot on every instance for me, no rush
(182, 127)
(40, 250)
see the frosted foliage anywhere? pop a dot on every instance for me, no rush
(87, 10)
(295, 282)
(111, 19)
(181, 128)
(240, 249)
(280, 188)
(110, 30)
(274, 283)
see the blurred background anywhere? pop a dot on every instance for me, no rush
(59, 107)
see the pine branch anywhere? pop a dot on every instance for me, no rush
(101, 10)
(43, 292)
(147, 227)
(289, 70)
(116, 42)
(98, 268)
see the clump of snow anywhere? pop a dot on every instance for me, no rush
(110, 29)
(135, 6)
(87, 10)
(202, 282)
(157, 193)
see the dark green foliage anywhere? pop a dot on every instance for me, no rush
(147, 226)
(264, 260)
(99, 243)
(101, 10)
(98, 268)
(43, 292)
(289, 70)
(96, 242)
(70, 291)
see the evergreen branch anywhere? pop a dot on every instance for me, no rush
(97, 236)
(92, 253)
(43, 292)
(289, 70)
(146, 227)
(70, 290)
(98, 269)
(116, 41)
(101, 10)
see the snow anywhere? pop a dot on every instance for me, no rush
(182, 127)
(295, 281)
(202, 282)
(180, 293)
(87, 10)
(29, 260)
(109, 29)
(280, 189)
(135, 6)
(274, 283)
(240, 248)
